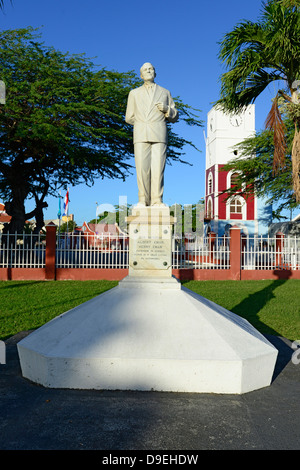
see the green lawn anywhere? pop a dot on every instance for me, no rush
(271, 306)
(26, 305)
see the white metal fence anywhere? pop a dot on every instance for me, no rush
(98, 251)
(79, 250)
(207, 254)
(271, 253)
(22, 251)
(83, 250)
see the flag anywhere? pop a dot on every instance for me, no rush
(66, 203)
(59, 207)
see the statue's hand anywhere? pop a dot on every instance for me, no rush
(162, 107)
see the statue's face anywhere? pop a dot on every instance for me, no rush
(148, 72)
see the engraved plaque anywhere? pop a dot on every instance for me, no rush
(150, 242)
(150, 253)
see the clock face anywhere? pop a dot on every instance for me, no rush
(236, 121)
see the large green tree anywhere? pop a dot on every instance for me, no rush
(257, 54)
(253, 169)
(62, 123)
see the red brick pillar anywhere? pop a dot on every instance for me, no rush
(235, 253)
(50, 252)
(279, 248)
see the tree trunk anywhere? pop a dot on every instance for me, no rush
(296, 164)
(16, 209)
(40, 204)
(39, 216)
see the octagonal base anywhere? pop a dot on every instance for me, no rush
(149, 334)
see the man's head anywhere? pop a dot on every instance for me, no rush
(147, 72)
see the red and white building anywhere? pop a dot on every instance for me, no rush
(104, 236)
(4, 217)
(224, 132)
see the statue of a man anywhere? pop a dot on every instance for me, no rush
(149, 107)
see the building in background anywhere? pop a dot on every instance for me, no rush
(104, 236)
(224, 132)
(4, 217)
(58, 222)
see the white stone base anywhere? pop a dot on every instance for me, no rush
(149, 335)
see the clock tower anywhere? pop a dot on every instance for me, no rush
(224, 132)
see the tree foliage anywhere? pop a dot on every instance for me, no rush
(254, 167)
(62, 123)
(257, 54)
(2, 4)
(66, 227)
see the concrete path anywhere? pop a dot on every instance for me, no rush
(36, 418)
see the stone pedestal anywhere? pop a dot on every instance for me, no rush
(149, 332)
(150, 242)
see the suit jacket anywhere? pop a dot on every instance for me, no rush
(149, 124)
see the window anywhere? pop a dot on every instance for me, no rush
(235, 206)
(210, 184)
(209, 209)
(234, 180)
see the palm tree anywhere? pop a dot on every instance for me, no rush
(2, 4)
(256, 54)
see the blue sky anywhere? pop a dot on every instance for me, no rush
(179, 38)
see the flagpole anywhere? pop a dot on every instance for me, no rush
(68, 220)
(59, 212)
(66, 210)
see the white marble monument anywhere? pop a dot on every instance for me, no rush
(149, 108)
(149, 332)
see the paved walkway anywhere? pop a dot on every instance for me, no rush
(33, 417)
